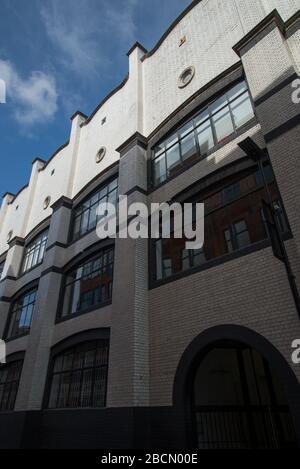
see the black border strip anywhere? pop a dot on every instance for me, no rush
(282, 129)
(276, 89)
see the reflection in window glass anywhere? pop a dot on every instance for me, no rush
(173, 158)
(223, 124)
(85, 215)
(233, 221)
(21, 315)
(199, 135)
(241, 110)
(89, 285)
(205, 137)
(241, 234)
(35, 251)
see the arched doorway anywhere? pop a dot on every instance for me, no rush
(238, 402)
(234, 389)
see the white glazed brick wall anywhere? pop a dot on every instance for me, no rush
(12, 219)
(212, 27)
(294, 46)
(232, 293)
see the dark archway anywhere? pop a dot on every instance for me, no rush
(230, 336)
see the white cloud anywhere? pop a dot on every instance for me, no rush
(80, 31)
(34, 99)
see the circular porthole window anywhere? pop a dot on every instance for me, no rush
(9, 236)
(100, 155)
(186, 77)
(47, 202)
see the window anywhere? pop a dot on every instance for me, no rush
(85, 215)
(233, 221)
(237, 236)
(35, 251)
(208, 128)
(79, 376)
(9, 383)
(238, 402)
(21, 315)
(90, 284)
(1, 268)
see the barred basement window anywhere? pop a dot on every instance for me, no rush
(210, 127)
(85, 215)
(79, 376)
(9, 384)
(89, 285)
(233, 221)
(35, 251)
(21, 315)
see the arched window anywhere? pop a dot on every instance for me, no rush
(239, 403)
(35, 251)
(210, 127)
(85, 215)
(89, 285)
(20, 318)
(79, 376)
(9, 383)
(233, 221)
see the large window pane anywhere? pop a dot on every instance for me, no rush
(89, 285)
(160, 169)
(204, 133)
(242, 234)
(82, 381)
(188, 142)
(173, 159)
(233, 220)
(242, 110)
(85, 215)
(34, 252)
(9, 382)
(211, 127)
(237, 90)
(223, 124)
(21, 315)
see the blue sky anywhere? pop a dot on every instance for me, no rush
(59, 56)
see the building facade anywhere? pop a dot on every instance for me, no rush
(140, 343)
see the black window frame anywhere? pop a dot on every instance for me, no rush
(198, 156)
(78, 346)
(72, 238)
(220, 184)
(60, 317)
(12, 361)
(42, 239)
(13, 312)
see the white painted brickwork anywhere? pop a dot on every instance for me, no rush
(212, 27)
